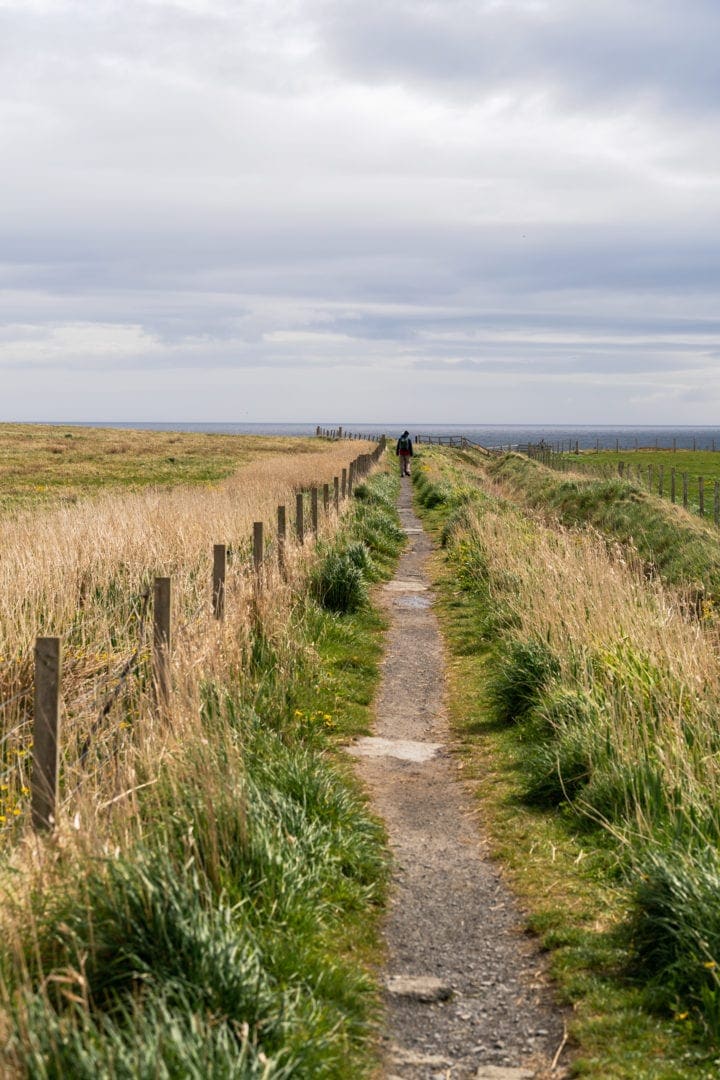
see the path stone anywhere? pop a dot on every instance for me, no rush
(412, 601)
(500, 1072)
(405, 749)
(451, 917)
(418, 988)
(400, 585)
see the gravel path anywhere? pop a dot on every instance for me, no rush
(466, 996)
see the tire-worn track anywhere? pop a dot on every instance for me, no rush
(451, 917)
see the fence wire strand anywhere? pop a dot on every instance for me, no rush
(122, 679)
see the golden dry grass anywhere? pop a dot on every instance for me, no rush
(616, 635)
(80, 572)
(43, 464)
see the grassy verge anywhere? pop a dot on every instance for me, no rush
(222, 921)
(653, 469)
(669, 540)
(585, 703)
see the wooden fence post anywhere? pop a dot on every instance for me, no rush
(336, 493)
(621, 468)
(218, 580)
(661, 479)
(162, 639)
(326, 498)
(46, 732)
(351, 478)
(258, 547)
(344, 483)
(685, 489)
(281, 534)
(701, 495)
(649, 477)
(716, 503)
(672, 484)
(299, 518)
(314, 508)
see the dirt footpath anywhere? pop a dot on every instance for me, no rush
(465, 992)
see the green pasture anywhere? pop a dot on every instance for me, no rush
(653, 469)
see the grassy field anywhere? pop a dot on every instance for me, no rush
(586, 696)
(206, 906)
(652, 469)
(48, 464)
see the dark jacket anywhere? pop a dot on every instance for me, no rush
(404, 445)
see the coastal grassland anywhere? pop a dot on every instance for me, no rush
(82, 572)
(44, 464)
(207, 906)
(695, 463)
(670, 541)
(586, 700)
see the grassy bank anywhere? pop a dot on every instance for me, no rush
(586, 699)
(206, 905)
(652, 470)
(670, 541)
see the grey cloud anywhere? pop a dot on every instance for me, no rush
(598, 50)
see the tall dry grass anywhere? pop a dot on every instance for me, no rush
(625, 644)
(82, 572)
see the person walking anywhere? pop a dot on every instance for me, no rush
(404, 450)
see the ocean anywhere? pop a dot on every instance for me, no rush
(490, 435)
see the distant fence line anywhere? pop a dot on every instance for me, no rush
(335, 434)
(575, 446)
(460, 441)
(692, 492)
(48, 660)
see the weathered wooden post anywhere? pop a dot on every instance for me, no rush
(685, 489)
(314, 508)
(344, 483)
(326, 498)
(672, 484)
(46, 732)
(649, 477)
(701, 495)
(218, 580)
(716, 503)
(621, 469)
(336, 493)
(661, 479)
(299, 517)
(162, 639)
(281, 533)
(258, 547)
(351, 478)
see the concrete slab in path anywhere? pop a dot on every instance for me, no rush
(405, 749)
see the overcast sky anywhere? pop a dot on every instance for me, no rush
(325, 210)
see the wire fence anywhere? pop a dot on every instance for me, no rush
(695, 492)
(35, 758)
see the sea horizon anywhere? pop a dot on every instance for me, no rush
(586, 436)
